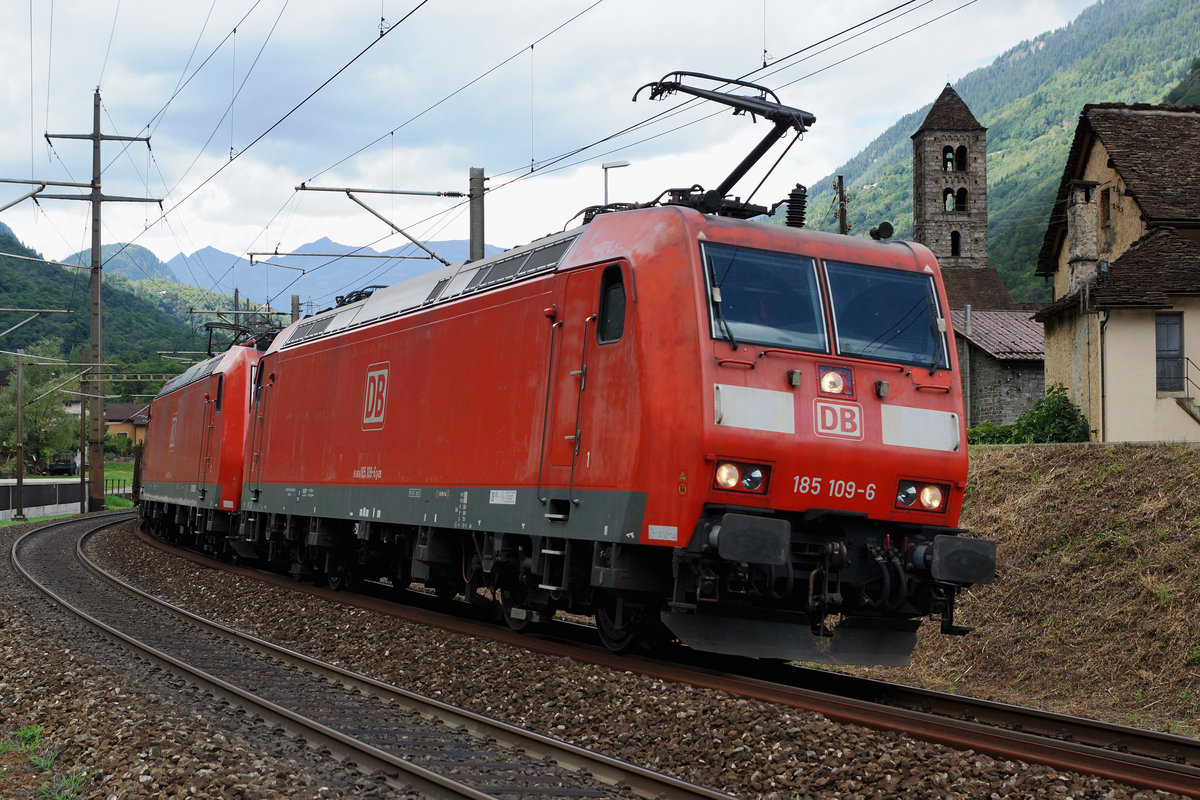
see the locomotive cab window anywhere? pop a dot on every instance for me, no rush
(611, 323)
(220, 392)
(764, 297)
(887, 315)
(258, 383)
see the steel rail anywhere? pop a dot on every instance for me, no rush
(1129, 755)
(435, 785)
(1051, 747)
(642, 782)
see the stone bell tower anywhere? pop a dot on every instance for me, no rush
(950, 214)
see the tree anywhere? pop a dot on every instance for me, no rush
(49, 429)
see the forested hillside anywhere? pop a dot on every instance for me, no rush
(185, 303)
(1131, 51)
(131, 260)
(1187, 93)
(134, 327)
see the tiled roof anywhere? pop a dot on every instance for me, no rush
(1160, 264)
(949, 113)
(1156, 267)
(126, 412)
(976, 287)
(1155, 149)
(1004, 335)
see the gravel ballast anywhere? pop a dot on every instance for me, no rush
(747, 748)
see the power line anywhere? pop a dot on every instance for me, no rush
(457, 91)
(276, 124)
(112, 34)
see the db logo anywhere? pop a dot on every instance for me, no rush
(843, 420)
(375, 397)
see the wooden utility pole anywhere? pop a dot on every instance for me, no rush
(20, 515)
(83, 429)
(93, 384)
(843, 225)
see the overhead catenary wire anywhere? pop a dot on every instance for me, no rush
(112, 34)
(561, 161)
(234, 157)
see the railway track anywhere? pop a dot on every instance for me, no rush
(411, 741)
(1130, 755)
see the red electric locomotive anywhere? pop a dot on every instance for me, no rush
(745, 436)
(192, 464)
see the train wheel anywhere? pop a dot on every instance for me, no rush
(340, 580)
(507, 606)
(618, 637)
(444, 588)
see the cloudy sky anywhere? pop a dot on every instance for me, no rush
(245, 99)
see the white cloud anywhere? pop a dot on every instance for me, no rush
(571, 89)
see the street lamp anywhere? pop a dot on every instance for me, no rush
(606, 166)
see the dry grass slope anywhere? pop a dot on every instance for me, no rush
(1096, 605)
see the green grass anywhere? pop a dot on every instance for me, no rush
(28, 741)
(119, 470)
(64, 786)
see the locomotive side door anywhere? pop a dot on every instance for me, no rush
(591, 370)
(212, 407)
(258, 408)
(570, 376)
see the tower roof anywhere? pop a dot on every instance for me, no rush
(949, 113)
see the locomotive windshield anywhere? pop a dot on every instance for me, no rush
(774, 299)
(886, 315)
(765, 297)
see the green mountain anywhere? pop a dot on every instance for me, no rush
(1030, 98)
(1187, 93)
(180, 300)
(131, 260)
(135, 328)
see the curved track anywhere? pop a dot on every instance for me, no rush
(1129, 755)
(439, 750)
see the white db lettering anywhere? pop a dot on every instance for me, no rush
(841, 420)
(375, 397)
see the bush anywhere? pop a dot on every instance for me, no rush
(1054, 418)
(988, 433)
(117, 445)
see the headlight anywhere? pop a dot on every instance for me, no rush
(742, 477)
(921, 496)
(836, 380)
(727, 475)
(752, 479)
(931, 497)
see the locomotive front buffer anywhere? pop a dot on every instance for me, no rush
(772, 587)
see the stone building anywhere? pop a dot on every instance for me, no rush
(1000, 351)
(1000, 355)
(1123, 252)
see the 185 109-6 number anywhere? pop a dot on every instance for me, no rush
(805, 484)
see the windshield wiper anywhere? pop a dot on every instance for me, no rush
(716, 299)
(939, 348)
(716, 295)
